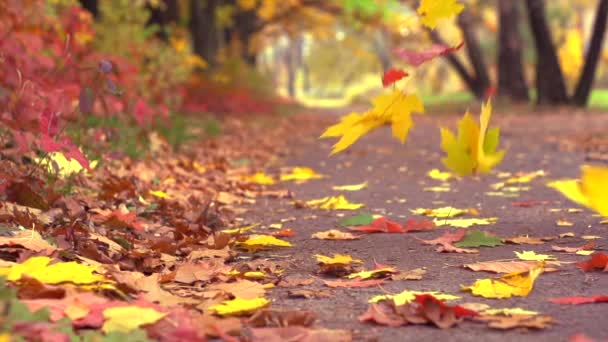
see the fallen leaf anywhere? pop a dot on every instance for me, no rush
(308, 294)
(374, 274)
(60, 272)
(128, 318)
(334, 203)
(258, 242)
(296, 333)
(274, 318)
(478, 238)
(563, 223)
(439, 175)
(446, 241)
(284, 233)
(509, 312)
(337, 259)
(380, 225)
(532, 256)
(353, 187)
(598, 261)
(415, 274)
(528, 204)
(586, 247)
(513, 284)
(239, 306)
(445, 212)
(438, 189)
(300, 174)
(245, 289)
(507, 322)
(507, 266)
(357, 220)
(334, 234)
(580, 300)
(260, 178)
(412, 225)
(29, 239)
(407, 296)
(465, 223)
(354, 283)
(525, 240)
(159, 194)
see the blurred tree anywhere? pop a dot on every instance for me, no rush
(511, 79)
(204, 29)
(163, 13)
(91, 6)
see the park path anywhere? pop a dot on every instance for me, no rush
(397, 176)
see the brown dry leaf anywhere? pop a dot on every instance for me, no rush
(309, 294)
(503, 322)
(586, 247)
(527, 240)
(191, 272)
(334, 234)
(509, 266)
(29, 239)
(209, 253)
(245, 289)
(300, 334)
(229, 198)
(415, 274)
(150, 287)
(8, 208)
(275, 318)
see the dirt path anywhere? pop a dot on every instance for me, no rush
(397, 172)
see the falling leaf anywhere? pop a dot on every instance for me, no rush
(532, 256)
(258, 242)
(431, 11)
(416, 58)
(512, 284)
(445, 212)
(334, 234)
(357, 283)
(392, 75)
(598, 261)
(60, 272)
(508, 266)
(474, 150)
(159, 194)
(589, 191)
(380, 225)
(465, 223)
(334, 203)
(584, 248)
(300, 174)
(439, 175)
(260, 178)
(353, 187)
(357, 220)
(580, 300)
(128, 318)
(407, 296)
(478, 238)
(395, 109)
(239, 306)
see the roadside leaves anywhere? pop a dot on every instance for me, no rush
(474, 150)
(478, 238)
(598, 261)
(259, 242)
(465, 223)
(446, 242)
(300, 175)
(440, 175)
(580, 300)
(334, 203)
(407, 296)
(334, 234)
(589, 191)
(339, 264)
(532, 256)
(128, 318)
(60, 272)
(513, 321)
(382, 272)
(239, 306)
(445, 212)
(509, 266)
(512, 284)
(586, 249)
(353, 187)
(380, 225)
(262, 178)
(355, 283)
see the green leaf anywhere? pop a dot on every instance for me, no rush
(478, 238)
(357, 220)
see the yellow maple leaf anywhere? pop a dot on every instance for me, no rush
(260, 178)
(513, 284)
(127, 318)
(334, 203)
(532, 256)
(301, 174)
(65, 167)
(257, 242)
(465, 223)
(239, 306)
(381, 272)
(589, 191)
(474, 149)
(431, 11)
(406, 297)
(353, 187)
(337, 259)
(444, 212)
(438, 175)
(394, 108)
(61, 272)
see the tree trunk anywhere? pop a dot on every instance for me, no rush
(511, 79)
(592, 57)
(550, 85)
(246, 23)
(482, 78)
(92, 6)
(203, 28)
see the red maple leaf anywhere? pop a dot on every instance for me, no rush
(392, 75)
(416, 58)
(380, 225)
(580, 300)
(598, 261)
(412, 225)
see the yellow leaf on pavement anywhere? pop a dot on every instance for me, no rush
(260, 178)
(301, 174)
(334, 203)
(513, 284)
(445, 212)
(439, 175)
(354, 187)
(334, 234)
(379, 273)
(241, 229)
(239, 306)
(258, 242)
(337, 259)
(61, 272)
(510, 311)
(532, 256)
(406, 297)
(431, 11)
(465, 223)
(127, 318)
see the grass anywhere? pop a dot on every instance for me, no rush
(599, 99)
